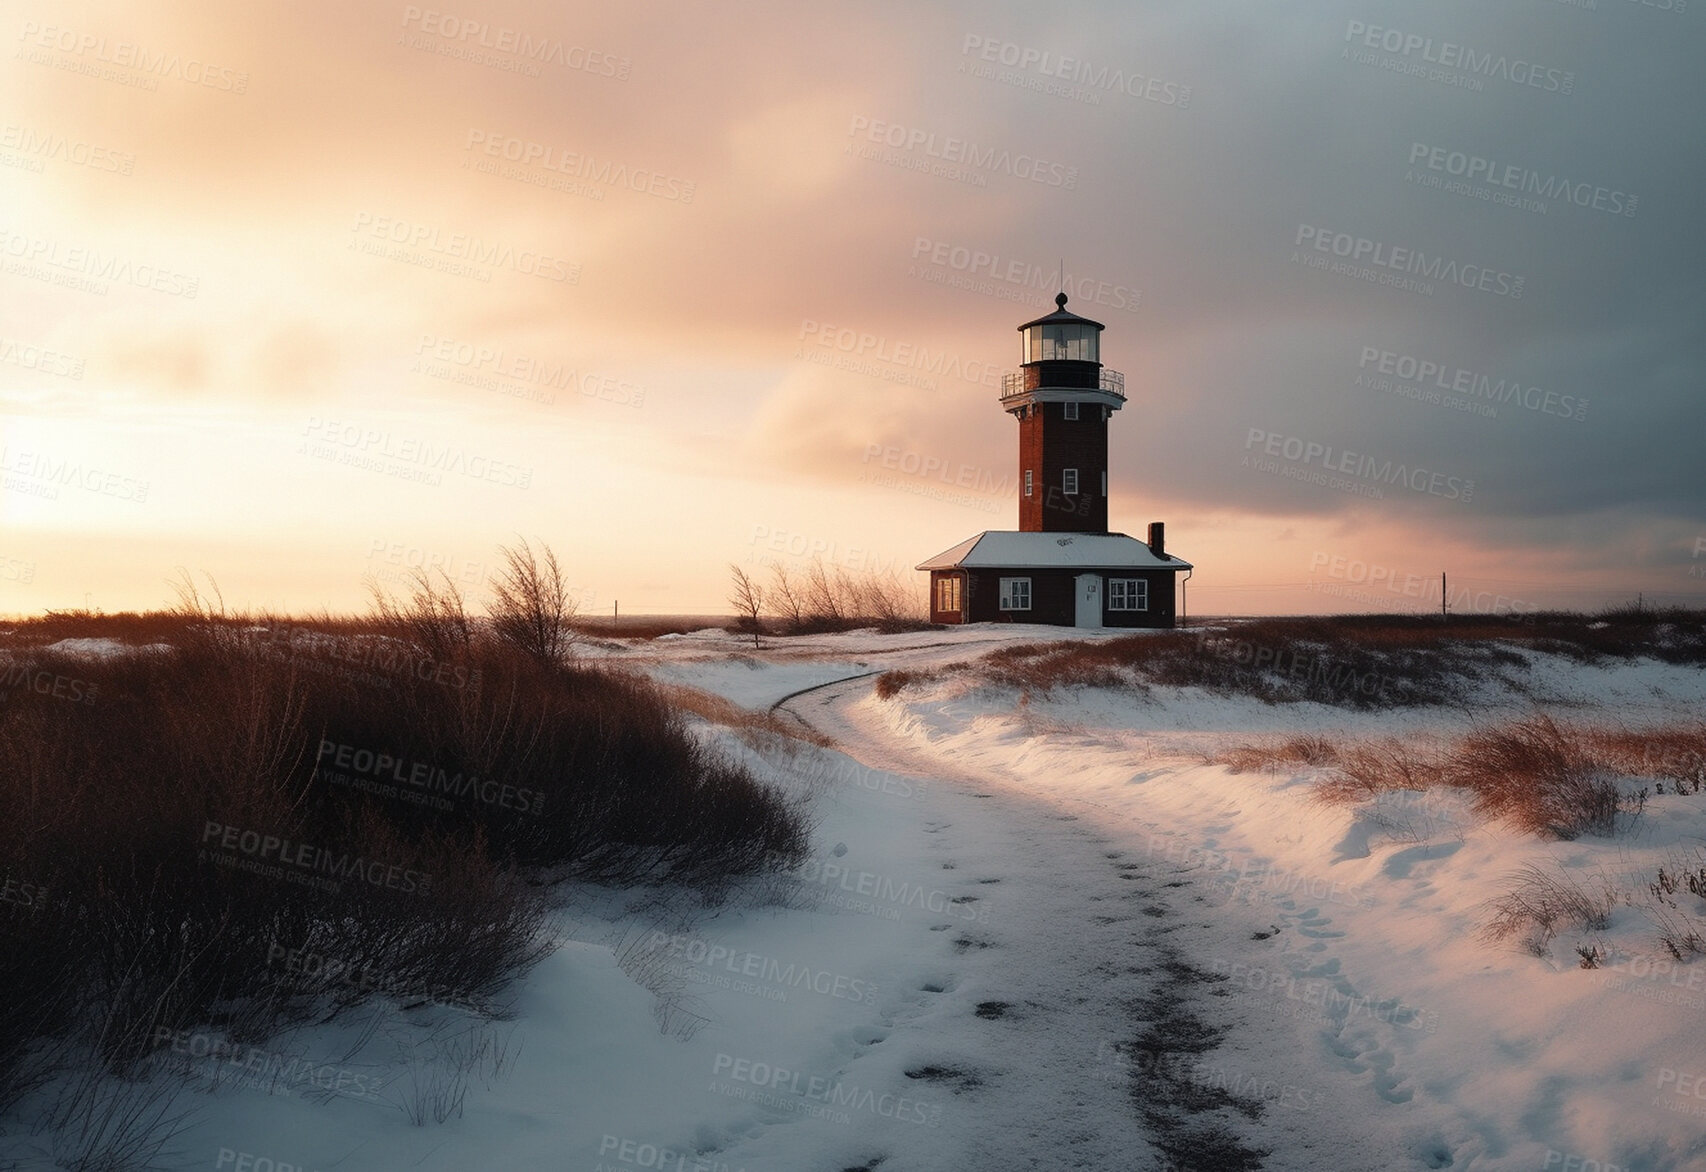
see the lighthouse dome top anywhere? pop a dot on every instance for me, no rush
(1060, 336)
(1062, 315)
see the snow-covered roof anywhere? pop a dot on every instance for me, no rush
(1023, 551)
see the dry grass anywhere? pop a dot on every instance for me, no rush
(1316, 751)
(1356, 661)
(760, 729)
(1541, 904)
(121, 921)
(1543, 778)
(892, 683)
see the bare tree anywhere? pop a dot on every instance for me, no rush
(531, 605)
(748, 601)
(820, 592)
(786, 596)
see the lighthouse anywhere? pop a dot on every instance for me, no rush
(1063, 399)
(1063, 566)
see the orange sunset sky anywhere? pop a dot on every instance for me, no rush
(294, 294)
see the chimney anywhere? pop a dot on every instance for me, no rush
(1158, 539)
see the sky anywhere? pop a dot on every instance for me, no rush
(297, 297)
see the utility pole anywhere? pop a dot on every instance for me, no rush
(615, 614)
(1442, 596)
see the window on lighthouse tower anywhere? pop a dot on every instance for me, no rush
(1057, 341)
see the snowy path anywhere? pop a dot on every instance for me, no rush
(1081, 952)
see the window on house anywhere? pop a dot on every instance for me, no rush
(1027, 482)
(948, 595)
(1128, 594)
(1069, 481)
(1071, 410)
(1015, 594)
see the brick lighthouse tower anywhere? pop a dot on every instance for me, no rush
(1062, 399)
(1063, 566)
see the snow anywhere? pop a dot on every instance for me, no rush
(1000, 887)
(102, 648)
(1010, 549)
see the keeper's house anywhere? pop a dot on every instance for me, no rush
(1063, 566)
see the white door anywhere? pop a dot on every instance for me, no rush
(1089, 601)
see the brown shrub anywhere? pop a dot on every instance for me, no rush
(1296, 751)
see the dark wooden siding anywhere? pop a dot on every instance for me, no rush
(1054, 598)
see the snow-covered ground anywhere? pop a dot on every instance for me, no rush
(1018, 914)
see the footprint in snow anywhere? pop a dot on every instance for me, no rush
(951, 1076)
